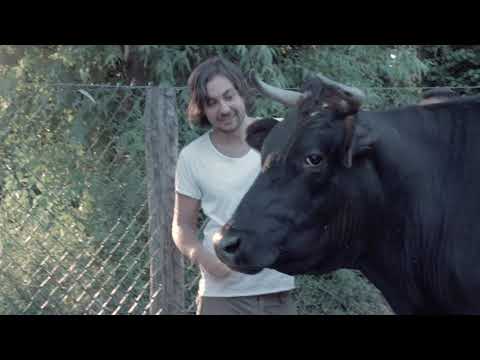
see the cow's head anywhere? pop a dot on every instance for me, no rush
(305, 208)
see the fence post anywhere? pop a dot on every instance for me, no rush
(166, 262)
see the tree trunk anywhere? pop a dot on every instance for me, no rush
(134, 65)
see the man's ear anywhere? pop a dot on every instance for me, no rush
(258, 131)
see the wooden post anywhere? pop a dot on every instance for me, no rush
(166, 262)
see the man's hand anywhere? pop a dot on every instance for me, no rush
(211, 264)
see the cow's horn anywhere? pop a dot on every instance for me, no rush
(286, 97)
(351, 94)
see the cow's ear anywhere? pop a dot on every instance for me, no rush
(348, 141)
(358, 140)
(363, 141)
(258, 131)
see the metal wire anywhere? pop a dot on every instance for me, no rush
(183, 88)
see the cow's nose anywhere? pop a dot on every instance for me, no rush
(230, 244)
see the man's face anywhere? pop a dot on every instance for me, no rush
(224, 108)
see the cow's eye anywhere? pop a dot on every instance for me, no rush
(313, 160)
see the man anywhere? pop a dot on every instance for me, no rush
(213, 173)
(437, 95)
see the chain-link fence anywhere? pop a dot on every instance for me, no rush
(75, 230)
(73, 208)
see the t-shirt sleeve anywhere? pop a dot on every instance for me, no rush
(185, 182)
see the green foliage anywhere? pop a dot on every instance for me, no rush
(453, 65)
(371, 68)
(73, 214)
(343, 292)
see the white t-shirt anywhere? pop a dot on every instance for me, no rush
(220, 182)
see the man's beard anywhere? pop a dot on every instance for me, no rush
(235, 119)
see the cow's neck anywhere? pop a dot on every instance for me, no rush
(383, 267)
(399, 162)
(425, 160)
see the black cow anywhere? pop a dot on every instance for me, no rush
(394, 194)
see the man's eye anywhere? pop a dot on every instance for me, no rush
(210, 103)
(313, 160)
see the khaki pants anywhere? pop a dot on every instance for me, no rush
(268, 304)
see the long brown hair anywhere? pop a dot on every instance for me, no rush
(197, 83)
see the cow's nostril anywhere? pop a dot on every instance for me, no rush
(231, 244)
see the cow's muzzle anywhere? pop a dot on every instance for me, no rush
(230, 250)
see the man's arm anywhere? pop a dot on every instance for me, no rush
(184, 233)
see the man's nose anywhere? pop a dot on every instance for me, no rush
(224, 107)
